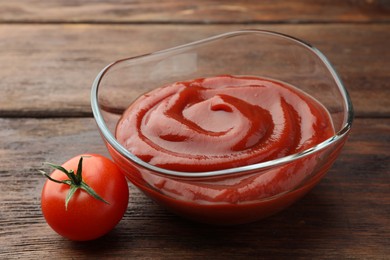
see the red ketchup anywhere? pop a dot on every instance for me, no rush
(218, 123)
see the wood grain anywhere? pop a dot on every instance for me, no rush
(187, 11)
(48, 70)
(345, 217)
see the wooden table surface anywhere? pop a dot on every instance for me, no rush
(50, 53)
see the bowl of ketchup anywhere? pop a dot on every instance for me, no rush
(226, 130)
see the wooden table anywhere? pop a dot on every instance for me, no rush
(51, 51)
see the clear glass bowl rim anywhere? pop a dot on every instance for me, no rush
(109, 137)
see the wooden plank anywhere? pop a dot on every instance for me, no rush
(47, 70)
(210, 11)
(345, 216)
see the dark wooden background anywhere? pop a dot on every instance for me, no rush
(50, 53)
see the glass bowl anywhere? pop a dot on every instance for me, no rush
(235, 195)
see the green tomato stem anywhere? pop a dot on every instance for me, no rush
(75, 182)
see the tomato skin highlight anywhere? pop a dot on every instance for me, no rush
(86, 218)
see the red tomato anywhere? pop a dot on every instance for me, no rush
(86, 217)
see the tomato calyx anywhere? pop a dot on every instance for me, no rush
(75, 181)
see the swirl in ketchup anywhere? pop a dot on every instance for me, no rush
(222, 122)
